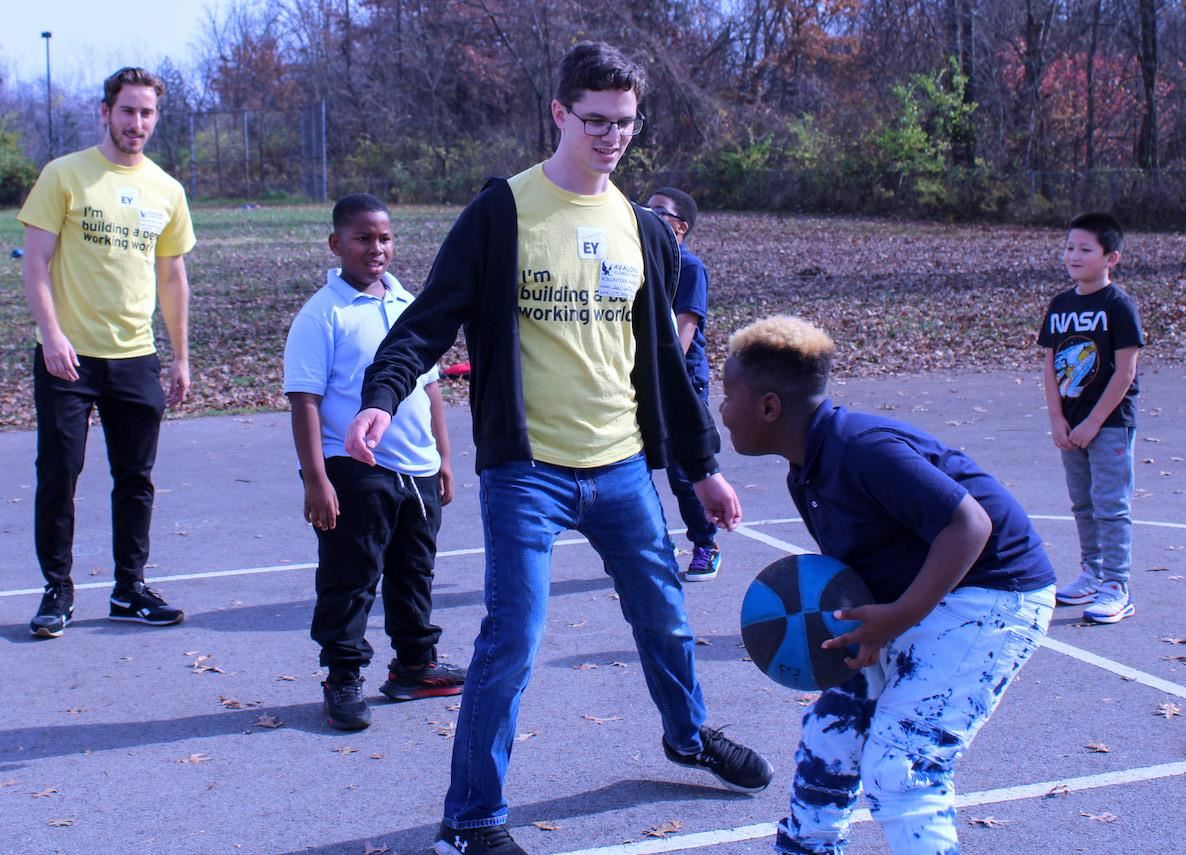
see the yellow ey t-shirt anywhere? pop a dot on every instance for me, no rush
(580, 266)
(112, 222)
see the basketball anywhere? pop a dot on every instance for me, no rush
(787, 614)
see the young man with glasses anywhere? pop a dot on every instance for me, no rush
(106, 233)
(578, 390)
(691, 312)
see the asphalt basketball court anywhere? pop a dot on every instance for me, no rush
(208, 737)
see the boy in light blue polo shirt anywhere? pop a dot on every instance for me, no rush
(371, 522)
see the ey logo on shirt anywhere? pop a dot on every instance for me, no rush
(590, 242)
(129, 197)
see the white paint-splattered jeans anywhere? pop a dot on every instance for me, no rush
(898, 727)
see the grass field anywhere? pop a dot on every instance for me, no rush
(899, 297)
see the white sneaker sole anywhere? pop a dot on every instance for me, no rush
(1127, 612)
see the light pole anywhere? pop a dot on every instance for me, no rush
(49, 104)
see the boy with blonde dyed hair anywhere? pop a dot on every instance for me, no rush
(963, 592)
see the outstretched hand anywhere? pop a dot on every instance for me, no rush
(721, 505)
(880, 624)
(364, 434)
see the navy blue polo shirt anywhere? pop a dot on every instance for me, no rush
(875, 492)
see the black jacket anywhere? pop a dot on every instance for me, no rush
(473, 281)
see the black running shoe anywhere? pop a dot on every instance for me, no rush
(739, 768)
(490, 840)
(143, 605)
(54, 613)
(434, 680)
(345, 705)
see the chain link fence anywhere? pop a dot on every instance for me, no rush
(262, 154)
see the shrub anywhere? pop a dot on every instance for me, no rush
(17, 172)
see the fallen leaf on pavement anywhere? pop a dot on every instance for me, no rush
(523, 737)
(1058, 790)
(44, 794)
(989, 822)
(230, 703)
(584, 666)
(374, 850)
(199, 665)
(544, 825)
(344, 749)
(286, 677)
(1169, 709)
(664, 829)
(60, 823)
(1099, 817)
(378, 756)
(194, 759)
(597, 720)
(1097, 747)
(269, 721)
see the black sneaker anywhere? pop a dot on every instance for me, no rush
(54, 613)
(490, 840)
(345, 705)
(434, 680)
(143, 605)
(739, 768)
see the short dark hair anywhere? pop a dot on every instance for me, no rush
(1105, 227)
(685, 205)
(597, 67)
(130, 76)
(349, 207)
(785, 355)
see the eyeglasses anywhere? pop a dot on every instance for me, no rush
(631, 127)
(663, 212)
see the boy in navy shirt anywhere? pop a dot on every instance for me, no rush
(963, 593)
(376, 522)
(690, 305)
(1092, 335)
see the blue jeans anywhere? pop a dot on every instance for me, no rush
(525, 507)
(1100, 483)
(898, 727)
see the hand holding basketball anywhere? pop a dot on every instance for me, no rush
(790, 616)
(879, 624)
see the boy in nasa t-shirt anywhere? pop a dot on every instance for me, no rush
(1092, 335)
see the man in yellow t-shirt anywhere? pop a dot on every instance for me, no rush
(578, 389)
(106, 232)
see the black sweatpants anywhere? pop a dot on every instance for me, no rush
(131, 402)
(383, 532)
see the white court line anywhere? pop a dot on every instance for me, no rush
(985, 797)
(1117, 668)
(1064, 518)
(251, 571)
(746, 531)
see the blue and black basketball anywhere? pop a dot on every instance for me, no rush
(787, 615)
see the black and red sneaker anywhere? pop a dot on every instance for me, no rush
(432, 680)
